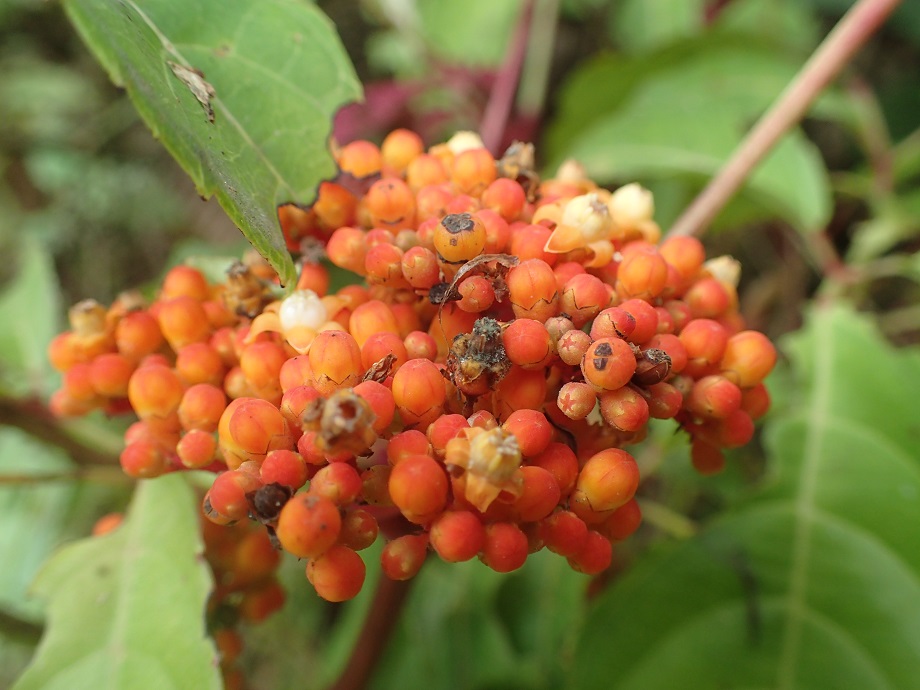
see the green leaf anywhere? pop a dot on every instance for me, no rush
(815, 582)
(253, 130)
(474, 32)
(126, 610)
(466, 626)
(29, 307)
(687, 118)
(643, 25)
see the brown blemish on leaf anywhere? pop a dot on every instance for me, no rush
(195, 81)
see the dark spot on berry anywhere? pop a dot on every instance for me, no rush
(600, 363)
(604, 350)
(457, 223)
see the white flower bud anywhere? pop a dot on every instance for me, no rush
(725, 269)
(631, 205)
(302, 308)
(590, 215)
(464, 141)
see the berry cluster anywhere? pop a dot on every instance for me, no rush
(473, 397)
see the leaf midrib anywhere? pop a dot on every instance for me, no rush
(819, 405)
(170, 48)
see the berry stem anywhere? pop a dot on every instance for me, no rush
(847, 37)
(33, 417)
(376, 633)
(498, 109)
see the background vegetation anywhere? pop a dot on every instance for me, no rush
(798, 567)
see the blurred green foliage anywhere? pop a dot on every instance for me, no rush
(90, 205)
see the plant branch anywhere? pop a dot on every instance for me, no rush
(853, 30)
(498, 109)
(33, 417)
(376, 632)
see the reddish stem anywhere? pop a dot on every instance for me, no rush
(376, 632)
(498, 109)
(861, 22)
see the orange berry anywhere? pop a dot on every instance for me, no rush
(607, 480)
(347, 249)
(391, 204)
(459, 237)
(624, 409)
(406, 443)
(608, 364)
(473, 171)
(143, 459)
(183, 321)
(360, 158)
(498, 232)
(520, 389)
(337, 574)
(424, 170)
(110, 373)
(418, 487)
(196, 449)
(527, 343)
(642, 274)
(646, 320)
(623, 522)
(399, 148)
(457, 535)
(251, 428)
(709, 298)
(339, 482)
(359, 529)
(227, 494)
(755, 400)
(564, 532)
(595, 555)
(539, 496)
(380, 399)
(155, 391)
(402, 558)
(504, 196)
(420, 345)
(613, 322)
(284, 467)
(576, 399)
(334, 207)
(572, 347)
(532, 429)
(420, 391)
(185, 281)
(529, 241)
(335, 358)
(532, 290)
(749, 356)
(583, 298)
(200, 363)
(419, 267)
(138, 334)
(476, 294)
(308, 525)
(714, 397)
(369, 318)
(505, 548)
(379, 345)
